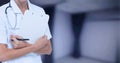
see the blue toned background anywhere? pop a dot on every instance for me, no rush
(84, 31)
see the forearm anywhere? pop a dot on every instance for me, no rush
(45, 50)
(10, 54)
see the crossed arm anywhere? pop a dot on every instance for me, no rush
(42, 46)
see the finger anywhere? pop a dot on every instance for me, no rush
(45, 37)
(14, 44)
(20, 45)
(26, 43)
(15, 40)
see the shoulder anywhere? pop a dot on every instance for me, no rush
(3, 7)
(2, 10)
(38, 9)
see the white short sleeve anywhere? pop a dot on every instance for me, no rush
(47, 32)
(3, 32)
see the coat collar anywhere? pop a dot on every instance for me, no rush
(16, 9)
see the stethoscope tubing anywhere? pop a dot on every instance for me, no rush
(13, 27)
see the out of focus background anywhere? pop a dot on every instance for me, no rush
(84, 31)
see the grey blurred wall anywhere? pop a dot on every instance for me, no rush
(99, 40)
(100, 31)
(63, 38)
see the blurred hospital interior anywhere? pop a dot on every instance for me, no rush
(83, 31)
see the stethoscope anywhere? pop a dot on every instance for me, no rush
(15, 26)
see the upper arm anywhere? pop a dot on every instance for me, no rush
(41, 11)
(3, 30)
(48, 33)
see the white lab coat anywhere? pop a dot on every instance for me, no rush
(33, 24)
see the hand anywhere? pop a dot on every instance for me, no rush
(18, 44)
(41, 43)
